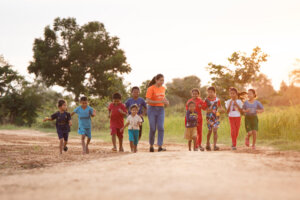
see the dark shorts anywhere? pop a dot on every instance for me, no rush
(63, 135)
(251, 123)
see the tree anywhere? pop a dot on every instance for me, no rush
(295, 74)
(179, 90)
(82, 59)
(263, 86)
(243, 71)
(143, 88)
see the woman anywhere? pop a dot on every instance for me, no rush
(156, 101)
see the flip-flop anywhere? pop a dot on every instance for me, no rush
(208, 148)
(65, 148)
(114, 149)
(216, 148)
(201, 148)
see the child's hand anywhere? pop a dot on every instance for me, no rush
(70, 123)
(46, 119)
(94, 113)
(122, 129)
(122, 112)
(247, 110)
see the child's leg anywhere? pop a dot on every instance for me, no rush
(83, 144)
(208, 137)
(254, 138)
(190, 145)
(136, 140)
(195, 143)
(131, 146)
(199, 134)
(61, 145)
(120, 143)
(113, 139)
(232, 131)
(87, 145)
(215, 130)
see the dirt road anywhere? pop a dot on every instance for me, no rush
(31, 169)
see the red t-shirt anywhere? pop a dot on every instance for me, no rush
(116, 118)
(199, 105)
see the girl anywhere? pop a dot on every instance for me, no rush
(212, 104)
(234, 109)
(199, 105)
(134, 122)
(251, 108)
(156, 100)
(191, 125)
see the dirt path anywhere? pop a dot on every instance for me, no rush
(175, 174)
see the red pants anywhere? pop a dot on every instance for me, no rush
(235, 123)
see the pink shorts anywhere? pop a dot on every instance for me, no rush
(116, 131)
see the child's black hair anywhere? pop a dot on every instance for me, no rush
(84, 98)
(134, 106)
(60, 103)
(135, 88)
(196, 90)
(117, 96)
(190, 103)
(212, 88)
(253, 91)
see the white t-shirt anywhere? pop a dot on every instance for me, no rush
(234, 111)
(134, 122)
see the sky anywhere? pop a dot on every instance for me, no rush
(175, 38)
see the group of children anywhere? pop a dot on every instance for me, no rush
(135, 108)
(235, 108)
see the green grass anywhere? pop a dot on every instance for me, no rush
(279, 127)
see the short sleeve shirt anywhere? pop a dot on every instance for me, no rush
(234, 110)
(134, 122)
(140, 102)
(84, 116)
(253, 107)
(62, 121)
(199, 106)
(116, 118)
(191, 119)
(156, 94)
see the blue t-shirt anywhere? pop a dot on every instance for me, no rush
(191, 119)
(139, 101)
(62, 121)
(253, 107)
(84, 116)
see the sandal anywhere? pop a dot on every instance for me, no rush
(208, 148)
(151, 149)
(216, 148)
(161, 149)
(201, 148)
(114, 149)
(65, 148)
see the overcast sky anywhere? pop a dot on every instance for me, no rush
(176, 38)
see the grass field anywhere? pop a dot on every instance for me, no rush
(278, 127)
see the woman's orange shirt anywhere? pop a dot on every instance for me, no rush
(156, 94)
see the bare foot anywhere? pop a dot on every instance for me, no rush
(87, 149)
(121, 149)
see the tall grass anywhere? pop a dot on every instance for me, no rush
(278, 126)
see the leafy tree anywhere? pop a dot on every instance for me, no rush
(82, 59)
(143, 88)
(243, 71)
(263, 86)
(295, 74)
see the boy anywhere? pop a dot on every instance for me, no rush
(140, 102)
(63, 123)
(212, 104)
(116, 113)
(191, 125)
(134, 122)
(84, 113)
(199, 107)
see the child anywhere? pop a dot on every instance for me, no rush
(134, 122)
(63, 123)
(140, 102)
(199, 105)
(117, 111)
(234, 109)
(251, 108)
(191, 125)
(212, 104)
(84, 113)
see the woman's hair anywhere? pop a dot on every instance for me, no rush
(190, 103)
(60, 103)
(117, 95)
(196, 90)
(135, 88)
(253, 91)
(154, 79)
(84, 98)
(134, 106)
(212, 88)
(240, 95)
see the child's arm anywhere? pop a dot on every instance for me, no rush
(229, 106)
(93, 113)
(73, 113)
(109, 114)
(122, 129)
(47, 119)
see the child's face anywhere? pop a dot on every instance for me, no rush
(63, 107)
(83, 104)
(211, 93)
(192, 107)
(232, 94)
(134, 111)
(195, 94)
(135, 93)
(160, 81)
(250, 95)
(116, 101)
